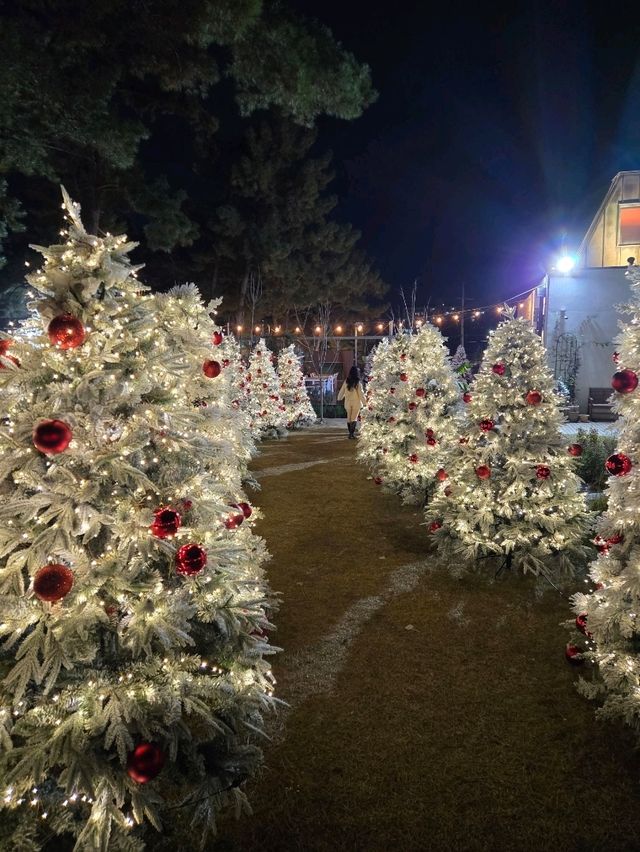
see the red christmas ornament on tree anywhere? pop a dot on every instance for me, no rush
(391, 420)
(211, 369)
(624, 381)
(434, 526)
(404, 377)
(581, 624)
(431, 442)
(618, 464)
(498, 369)
(412, 406)
(572, 653)
(234, 521)
(413, 458)
(166, 522)
(429, 433)
(420, 392)
(245, 508)
(187, 504)
(145, 762)
(534, 397)
(52, 436)
(575, 450)
(216, 339)
(486, 425)
(225, 362)
(448, 491)
(616, 357)
(53, 582)
(190, 559)
(4, 345)
(616, 538)
(66, 332)
(543, 472)
(441, 475)
(392, 390)
(466, 397)
(483, 472)
(601, 545)
(377, 480)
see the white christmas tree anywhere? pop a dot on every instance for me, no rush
(294, 394)
(267, 410)
(511, 491)
(133, 607)
(461, 367)
(424, 395)
(608, 615)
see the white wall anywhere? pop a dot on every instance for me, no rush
(585, 304)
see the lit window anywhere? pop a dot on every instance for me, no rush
(629, 231)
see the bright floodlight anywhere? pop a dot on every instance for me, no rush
(565, 263)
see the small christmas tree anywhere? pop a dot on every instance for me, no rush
(461, 367)
(424, 396)
(133, 607)
(608, 616)
(267, 410)
(511, 491)
(294, 394)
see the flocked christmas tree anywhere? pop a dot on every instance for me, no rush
(294, 394)
(511, 491)
(133, 607)
(608, 615)
(411, 422)
(267, 410)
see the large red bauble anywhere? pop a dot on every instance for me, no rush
(624, 381)
(145, 762)
(412, 406)
(441, 474)
(434, 526)
(498, 369)
(167, 522)
(234, 521)
(413, 458)
(534, 397)
(53, 582)
(575, 450)
(572, 653)
(404, 377)
(581, 624)
(52, 436)
(216, 339)
(245, 508)
(420, 392)
(66, 332)
(466, 397)
(211, 369)
(486, 425)
(543, 472)
(483, 472)
(618, 464)
(4, 345)
(190, 559)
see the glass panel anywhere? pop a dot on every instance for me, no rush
(629, 226)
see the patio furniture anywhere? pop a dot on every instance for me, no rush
(599, 407)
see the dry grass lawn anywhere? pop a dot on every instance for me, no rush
(426, 713)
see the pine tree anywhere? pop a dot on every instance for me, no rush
(424, 397)
(608, 615)
(268, 413)
(461, 367)
(294, 394)
(511, 490)
(132, 599)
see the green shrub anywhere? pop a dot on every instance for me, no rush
(598, 504)
(595, 451)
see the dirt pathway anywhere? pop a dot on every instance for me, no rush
(426, 713)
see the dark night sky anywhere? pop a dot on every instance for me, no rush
(497, 130)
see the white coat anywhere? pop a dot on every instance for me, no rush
(353, 400)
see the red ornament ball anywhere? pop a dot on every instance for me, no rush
(145, 762)
(618, 464)
(52, 436)
(448, 491)
(413, 458)
(441, 475)
(53, 582)
(420, 392)
(166, 522)
(66, 332)
(392, 390)
(216, 339)
(412, 406)
(624, 381)
(377, 480)
(466, 397)
(429, 433)
(404, 377)
(486, 425)
(543, 472)
(431, 442)
(211, 369)
(534, 397)
(225, 362)
(190, 559)
(234, 521)
(245, 508)
(434, 526)
(187, 504)
(4, 345)
(498, 369)
(581, 624)
(575, 450)
(483, 472)
(391, 420)
(572, 653)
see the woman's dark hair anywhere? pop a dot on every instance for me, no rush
(353, 378)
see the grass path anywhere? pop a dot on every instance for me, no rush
(426, 713)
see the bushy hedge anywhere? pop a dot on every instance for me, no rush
(595, 451)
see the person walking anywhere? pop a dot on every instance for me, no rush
(353, 395)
